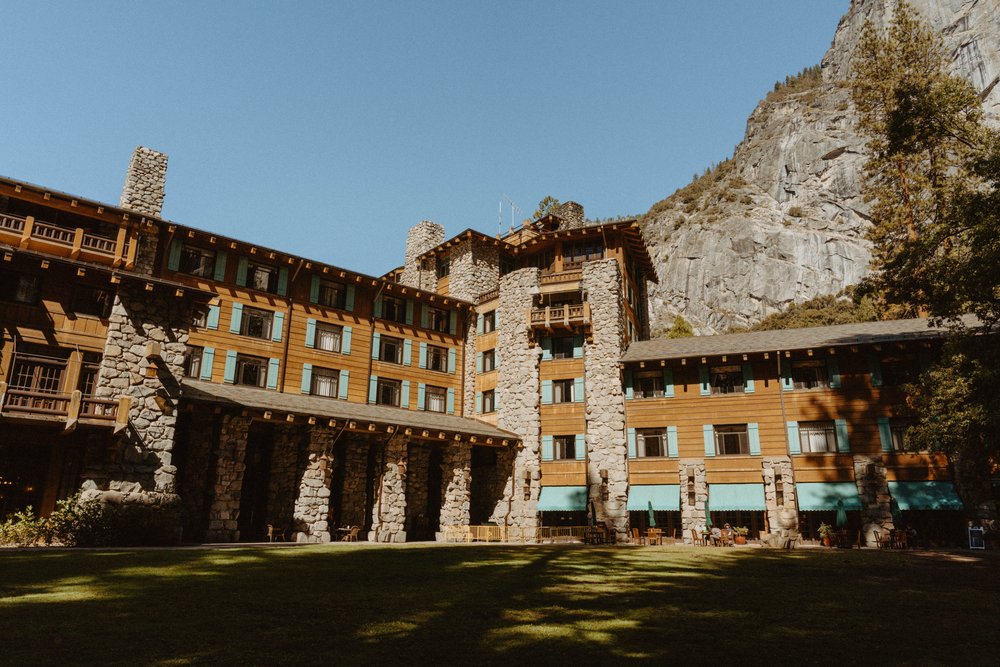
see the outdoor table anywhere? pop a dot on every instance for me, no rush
(654, 536)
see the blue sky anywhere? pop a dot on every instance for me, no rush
(327, 129)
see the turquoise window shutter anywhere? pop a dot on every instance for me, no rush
(843, 444)
(283, 281)
(547, 450)
(307, 377)
(277, 327)
(578, 346)
(706, 388)
(241, 271)
(479, 362)
(633, 450)
(452, 359)
(875, 367)
(833, 372)
(753, 432)
(421, 393)
(212, 321)
(378, 306)
(349, 298)
(310, 332)
(452, 322)
(409, 311)
(787, 383)
(451, 400)
(237, 319)
(672, 450)
(479, 325)
(345, 341)
(407, 351)
(220, 266)
(668, 382)
(580, 448)
(546, 392)
(343, 385)
(404, 395)
(708, 431)
(272, 373)
(885, 434)
(546, 348)
(425, 312)
(376, 337)
(372, 388)
(207, 359)
(174, 260)
(314, 290)
(794, 445)
(229, 373)
(422, 359)
(578, 390)
(479, 402)
(629, 389)
(748, 384)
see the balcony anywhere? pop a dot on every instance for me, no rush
(72, 408)
(76, 243)
(568, 316)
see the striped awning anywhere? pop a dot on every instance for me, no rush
(736, 497)
(929, 495)
(822, 496)
(662, 496)
(562, 499)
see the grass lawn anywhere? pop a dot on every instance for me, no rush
(355, 604)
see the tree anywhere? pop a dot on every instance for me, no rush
(681, 328)
(546, 206)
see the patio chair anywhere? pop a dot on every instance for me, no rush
(351, 535)
(275, 534)
(696, 538)
(880, 542)
(637, 538)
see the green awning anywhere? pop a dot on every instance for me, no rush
(819, 496)
(663, 497)
(925, 495)
(562, 499)
(736, 497)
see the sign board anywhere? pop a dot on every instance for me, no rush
(976, 540)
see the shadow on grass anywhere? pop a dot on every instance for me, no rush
(495, 605)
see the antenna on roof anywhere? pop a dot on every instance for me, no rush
(513, 207)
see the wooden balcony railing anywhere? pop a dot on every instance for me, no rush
(562, 277)
(77, 240)
(70, 408)
(38, 402)
(50, 232)
(10, 223)
(567, 316)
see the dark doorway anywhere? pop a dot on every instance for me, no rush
(253, 498)
(435, 462)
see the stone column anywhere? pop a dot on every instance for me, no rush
(312, 506)
(456, 479)
(223, 518)
(607, 448)
(869, 475)
(422, 237)
(518, 399)
(389, 512)
(781, 516)
(693, 513)
(143, 192)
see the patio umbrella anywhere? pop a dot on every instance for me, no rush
(708, 516)
(652, 519)
(841, 513)
(593, 514)
(897, 514)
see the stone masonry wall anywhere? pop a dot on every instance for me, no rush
(780, 517)
(475, 270)
(389, 511)
(143, 192)
(456, 480)
(571, 215)
(283, 482)
(607, 447)
(223, 518)
(518, 396)
(422, 237)
(197, 474)
(693, 514)
(869, 475)
(354, 493)
(417, 468)
(312, 506)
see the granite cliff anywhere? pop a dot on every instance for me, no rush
(783, 220)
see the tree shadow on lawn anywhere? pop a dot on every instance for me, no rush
(493, 605)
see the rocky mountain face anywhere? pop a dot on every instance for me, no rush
(783, 220)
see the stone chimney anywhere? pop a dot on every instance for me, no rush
(422, 237)
(571, 215)
(145, 181)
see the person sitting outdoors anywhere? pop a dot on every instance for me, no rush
(716, 535)
(727, 535)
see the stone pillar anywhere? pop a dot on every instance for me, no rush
(869, 475)
(781, 516)
(312, 506)
(417, 468)
(571, 215)
(145, 182)
(518, 399)
(223, 518)
(283, 484)
(456, 490)
(607, 448)
(693, 510)
(354, 491)
(475, 270)
(422, 237)
(389, 512)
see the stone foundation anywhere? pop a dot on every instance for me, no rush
(389, 512)
(781, 516)
(693, 513)
(223, 518)
(312, 506)
(456, 489)
(869, 475)
(417, 469)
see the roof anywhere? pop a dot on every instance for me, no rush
(93, 203)
(784, 339)
(330, 408)
(458, 238)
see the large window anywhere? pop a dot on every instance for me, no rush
(325, 382)
(197, 261)
(262, 277)
(489, 361)
(393, 308)
(897, 430)
(437, 358)
(438, 319)
(329, 337)
(817, 437)
(651, 442)
(544, 260)
(489, 321)
(251, 371)
(732, 440)
(39, 372)
(91, 301)
(90, 369)
(647, 384)
(390, 349)
(19, 287)
(810, 374)
(193, 361)
(564, 447)
(435, 399)
(575, 254)
(387, 392)
(489, 401)
(443, 267)
(562, 391)
(563, 347)
(333, 295)
(256, 323)
(726, 379)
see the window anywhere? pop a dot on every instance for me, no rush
(438, 319)
(437, 358)
(262, 277)
(651, 442)
(19, 287)
(647, 384)
(89, 371)
(562, 391)
(817, 437)
(810, 374)
(575, 254)
(197, 261)
(192, 362)
(325, 382)
(897, 429)
(393, 308)
(256, 323)
(489, 361)
(390, 349)
(329, 337)
(41, 373)
(563, 347)
(435, 399)
(251, 371)
(726, 379)
(545, 261)
(507, 265)
(900, 370)
(489, 321)
(91, 301)
(489, 401)
(443, 268)
(564, 447)
(732, 440)
(199, 318)
(333, 295)
(388, 392)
